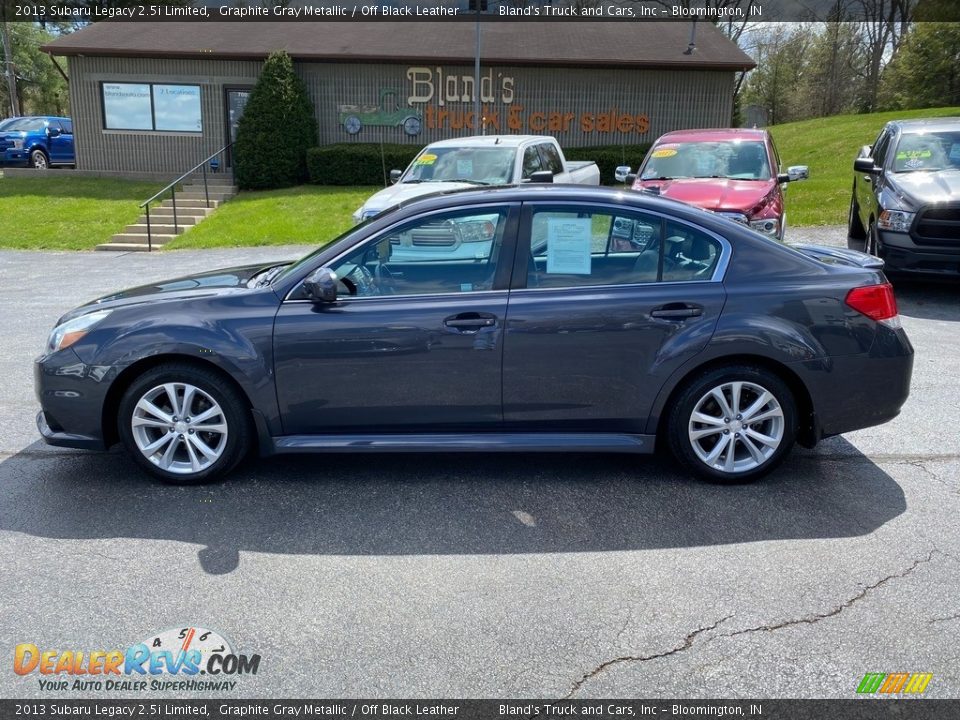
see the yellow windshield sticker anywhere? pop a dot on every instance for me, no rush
(426, 159)
(664, 152)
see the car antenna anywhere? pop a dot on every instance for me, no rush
(497, 141)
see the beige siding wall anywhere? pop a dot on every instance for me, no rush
(669, 99)
(585, 106)
(142, 151)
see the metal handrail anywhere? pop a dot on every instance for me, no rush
(172, 187)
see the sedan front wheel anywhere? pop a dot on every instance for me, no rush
(184, 424)
(733, 424)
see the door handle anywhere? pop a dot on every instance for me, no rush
(470, 321)
(677, 311)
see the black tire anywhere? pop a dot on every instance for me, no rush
(234, 413)
(694, 392)
(871, 244)
(855, 229)
(39, 160)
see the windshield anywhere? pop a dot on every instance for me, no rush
(739, 160)
(927, 151)
(4, 124)
(25, 125)
(486, 165)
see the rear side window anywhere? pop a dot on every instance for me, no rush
(582, 247)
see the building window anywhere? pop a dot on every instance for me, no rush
(151, 106)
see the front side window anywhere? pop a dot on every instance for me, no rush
(550, 158)
(149, 106)
(584, 247)
(531, 162)
(450, 253)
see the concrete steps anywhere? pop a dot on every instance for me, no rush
(192, 206)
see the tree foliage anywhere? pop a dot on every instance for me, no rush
(41, 89)
(926, 71)
(277, 128)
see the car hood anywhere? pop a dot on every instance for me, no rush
(711, 193)
(206, 284)
(400, 192)
(927, 187)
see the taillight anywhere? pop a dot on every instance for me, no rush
(876, 302)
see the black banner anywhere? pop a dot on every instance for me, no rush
(713, 11)
(853, 709)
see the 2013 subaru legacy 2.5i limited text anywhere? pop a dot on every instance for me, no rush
(600, 320)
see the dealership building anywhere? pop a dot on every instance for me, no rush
(158, 97)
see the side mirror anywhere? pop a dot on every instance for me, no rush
(865, 165)
(395, 175)
(798, 172)
(541, 176)
(621, 173)
(321, 286)
(53, 132)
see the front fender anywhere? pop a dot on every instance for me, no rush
(240, 346)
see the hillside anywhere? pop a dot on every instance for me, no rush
(828, 146)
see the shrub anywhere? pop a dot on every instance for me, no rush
(357, 163)
(608, 157)
(277, 127)
(361, 163)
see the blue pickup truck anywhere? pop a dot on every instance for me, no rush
(38, 141)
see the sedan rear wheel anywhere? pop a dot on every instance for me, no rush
(185, 425)
(733, 424)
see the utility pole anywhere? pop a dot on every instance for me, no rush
(476, 76)
(9, 71)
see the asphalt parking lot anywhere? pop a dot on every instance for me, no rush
(490, 576)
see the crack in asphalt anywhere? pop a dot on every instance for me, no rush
(921, 465)
(817, 617)
(946, 618)
(682, 647)
(688, 641)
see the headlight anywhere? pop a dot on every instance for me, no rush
(896, 220)
(769, 226)
(65, 335)
(17, 144)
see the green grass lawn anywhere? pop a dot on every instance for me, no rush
(67, 213)
(828, 146)
(308, 214)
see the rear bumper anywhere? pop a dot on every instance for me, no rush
(859, 391)
(902, 254)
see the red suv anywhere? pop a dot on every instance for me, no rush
(733, 172)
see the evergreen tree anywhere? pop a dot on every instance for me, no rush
(277, 128)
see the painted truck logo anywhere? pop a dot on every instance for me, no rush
(388, 113)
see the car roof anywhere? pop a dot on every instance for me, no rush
(927, 124)
(713, 134)
(490, 140)
(553, 192)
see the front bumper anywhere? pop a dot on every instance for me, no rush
(902, 254)
(15, 157)
(72, 396)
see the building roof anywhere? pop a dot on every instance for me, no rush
(569, 44)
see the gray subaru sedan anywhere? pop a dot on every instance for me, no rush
(581, 320)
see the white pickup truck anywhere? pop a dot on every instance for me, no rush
(480, 160)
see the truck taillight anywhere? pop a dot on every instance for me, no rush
(876, 302)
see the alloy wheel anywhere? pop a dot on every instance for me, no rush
(179, 428)
(736, 427)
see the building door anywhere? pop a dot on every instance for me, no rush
(235, 101)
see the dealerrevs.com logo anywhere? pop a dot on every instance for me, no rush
(170, 660)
